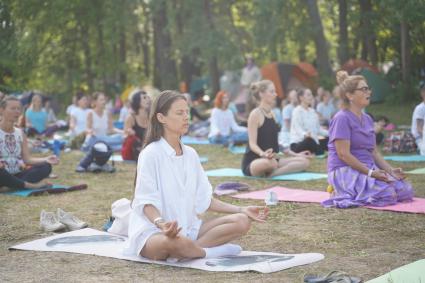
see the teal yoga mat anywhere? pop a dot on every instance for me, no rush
(194, 140)
(418, 171)
(55, 189)
(118, 158)
(237, 149)
(412, 272)
(406, 158)
(233, 172)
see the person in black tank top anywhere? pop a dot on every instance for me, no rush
(135, 131)
(260, 158)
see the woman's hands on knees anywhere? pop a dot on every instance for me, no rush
(52, 159)
(380, 175)
(269, 154)
(397, 173)
(256, 213)
(170, 228)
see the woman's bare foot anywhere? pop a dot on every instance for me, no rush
(39, 185)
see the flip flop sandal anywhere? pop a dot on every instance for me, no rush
(332, 277)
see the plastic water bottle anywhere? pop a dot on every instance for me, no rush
(271, 198)
(56, 147)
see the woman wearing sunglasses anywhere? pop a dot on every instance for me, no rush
(357, 173)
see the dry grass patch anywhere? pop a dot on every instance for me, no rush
(362, 242)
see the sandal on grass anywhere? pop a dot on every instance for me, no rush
(332, 277)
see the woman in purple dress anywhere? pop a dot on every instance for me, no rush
(357, 172)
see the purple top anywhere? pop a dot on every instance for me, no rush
(345, 125)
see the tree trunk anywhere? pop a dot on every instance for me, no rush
(165, 67)
(212, 63)
(87, 55)
(101, 55)
(123, 56)
(405, 50)
(145, 41)
(322, 54)
(368, 34)
(343, 51)
(302, 52)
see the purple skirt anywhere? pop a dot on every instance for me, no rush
(352, 188)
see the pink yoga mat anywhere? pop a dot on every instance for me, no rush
(299, 195)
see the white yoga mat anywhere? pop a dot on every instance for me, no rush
(93, 242)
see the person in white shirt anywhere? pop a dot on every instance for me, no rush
(286, 118)
(223, 128)
(171, 191)
(325, 108)
(418, 117)
(99, 125)
(125, 111)
(250, 74)
(71, 107)
(306, 133)
(78, 121)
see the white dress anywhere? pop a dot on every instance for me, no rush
(176, 185)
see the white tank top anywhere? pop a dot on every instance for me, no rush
(100, 124)
(80, 116)
(11, 150)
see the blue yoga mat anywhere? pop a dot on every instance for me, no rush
(194, 140)
(55, 189)
(406, 158)
(232, 172)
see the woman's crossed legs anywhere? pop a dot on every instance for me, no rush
(212, 233)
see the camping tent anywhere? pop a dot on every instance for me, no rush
(354, 64)
(290, 76)
(380, 87)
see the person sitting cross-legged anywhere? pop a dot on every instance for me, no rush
(15, 158)
(357, 173)
(171, 191)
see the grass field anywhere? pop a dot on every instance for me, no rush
(362, 242)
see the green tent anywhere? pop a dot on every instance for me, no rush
(380, 87)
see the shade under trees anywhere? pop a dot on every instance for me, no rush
(63, 46)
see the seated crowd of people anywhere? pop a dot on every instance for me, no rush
(170, 176)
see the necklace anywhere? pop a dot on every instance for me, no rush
(265, 112)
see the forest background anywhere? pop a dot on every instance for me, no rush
(62, 46)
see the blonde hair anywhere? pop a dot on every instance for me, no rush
(347, 84)
(258, 87)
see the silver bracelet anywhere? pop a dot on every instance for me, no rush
(370, 172)
(158, 220)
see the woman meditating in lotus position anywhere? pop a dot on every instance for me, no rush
(171, 191)
(356, 171)
(263, 130)
(14, 152)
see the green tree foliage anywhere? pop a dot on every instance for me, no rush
(62, 46)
